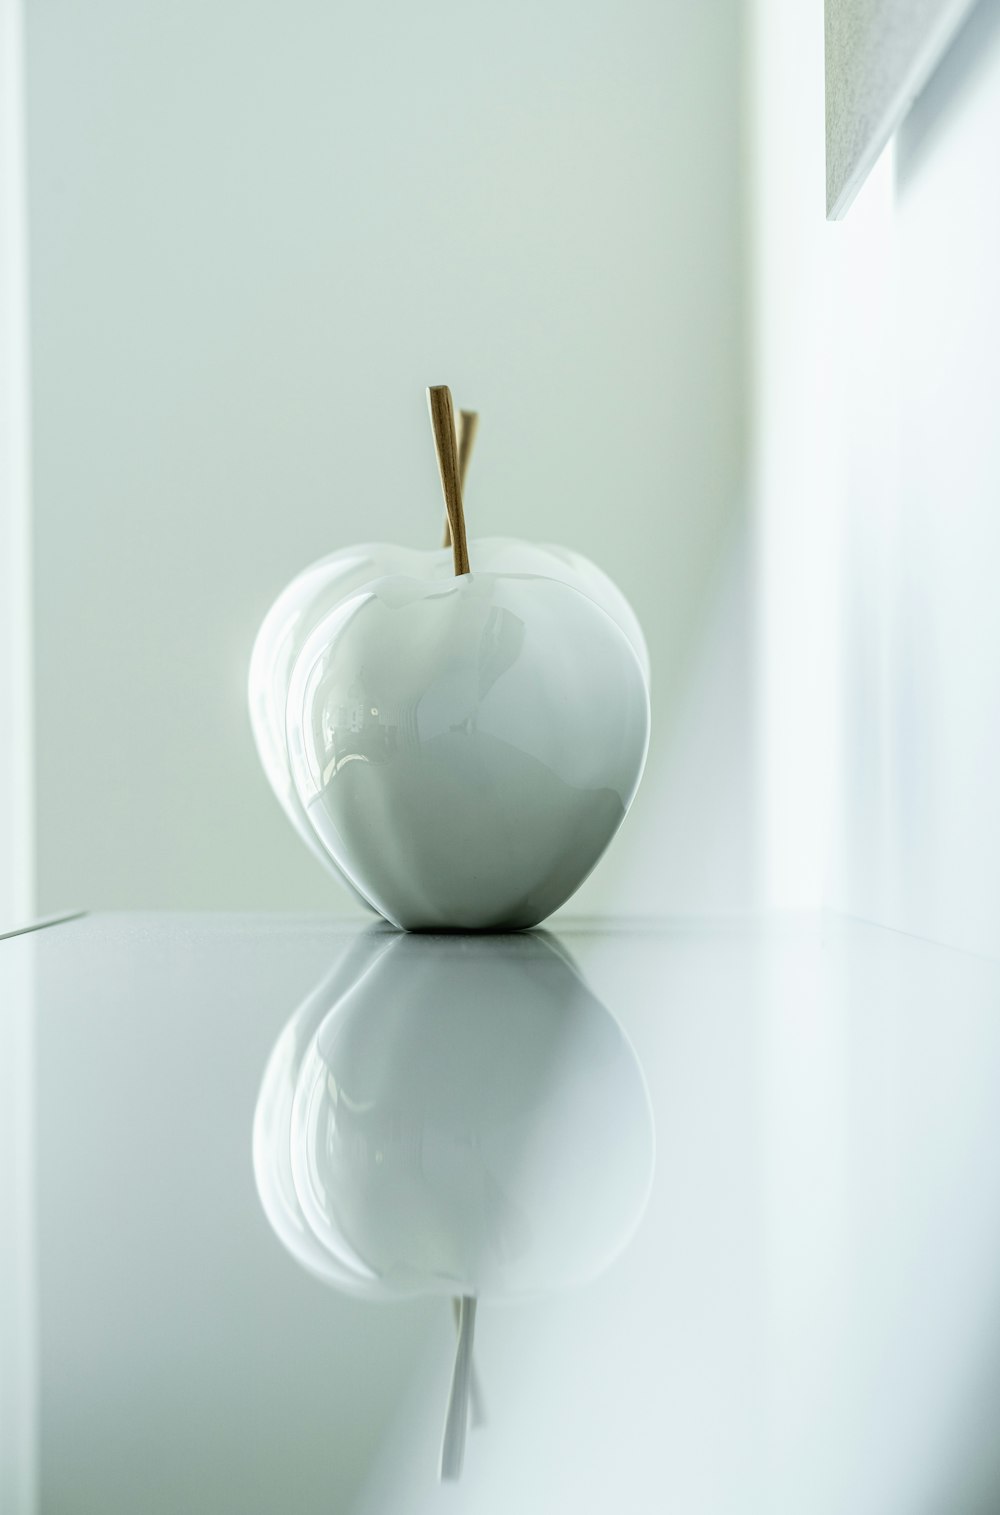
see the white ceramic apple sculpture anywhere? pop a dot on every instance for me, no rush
(316, 591)
(455, 1116)
(501, 717)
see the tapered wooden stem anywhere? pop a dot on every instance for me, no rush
(468, 425)
(446, 446)
(465, 427)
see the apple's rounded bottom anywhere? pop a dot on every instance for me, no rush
(499, 927)
(496, 923)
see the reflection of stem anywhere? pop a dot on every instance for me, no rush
(476, 1400)
(457, 1418)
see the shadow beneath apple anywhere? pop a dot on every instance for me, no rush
(456, 1116)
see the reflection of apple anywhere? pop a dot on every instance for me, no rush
(453, 1115)
(456, 1116)
(321, 588)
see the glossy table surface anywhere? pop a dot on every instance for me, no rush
(725, 1198)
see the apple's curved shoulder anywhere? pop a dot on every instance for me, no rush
(606, 593)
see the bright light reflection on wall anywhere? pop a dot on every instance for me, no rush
(822, 295)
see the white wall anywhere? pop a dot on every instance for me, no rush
(930, 760)
(878, 481)
(257, 233)
(16, 809)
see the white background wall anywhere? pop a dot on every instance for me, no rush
(257, 233)
(921, 801)
(877, 475)
(16, 808)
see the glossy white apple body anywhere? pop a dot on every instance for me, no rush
(320, 588)
(465, 749)
(454, 1116)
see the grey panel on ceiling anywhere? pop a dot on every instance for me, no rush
(879, 55)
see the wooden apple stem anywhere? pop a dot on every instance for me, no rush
(466, 427)
(446, 446)
(457, 1419)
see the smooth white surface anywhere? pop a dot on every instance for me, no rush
(466, 748)
(284, 224)
(18, 1246)
(812, 1290)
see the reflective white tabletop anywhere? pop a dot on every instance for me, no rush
(725, 1198)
